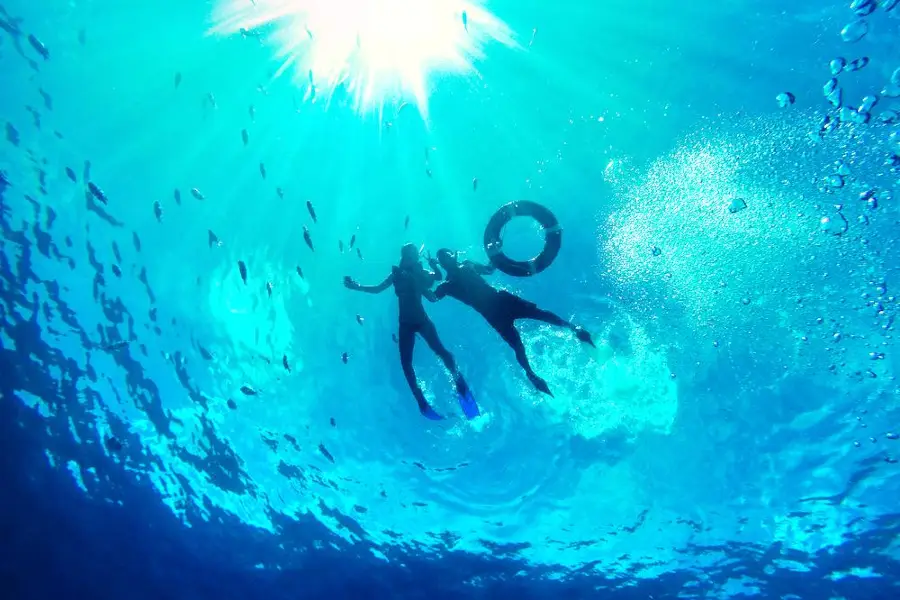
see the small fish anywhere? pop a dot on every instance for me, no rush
(12, 134)
(86, 172)
(116, 270)
(245, 136)
(252, 112)
(177, 196)
(39, 47)
(115, 345)
(308, 32)
(136, 241)
(428, 172)
(206, 354)
(312, 211)
(474, 184)
(325, 452)
(300, 273)
(113, 444)
(406, 222)
(359, 319)
(307, 238)
(359, 253)
(533, 34)
(284, 363)
(97, 193)
(212, 238)
(394, 337)
(158, 211)
(345, 357)
(35, 116)
(269, 288)
(177, 80)
(401, 107)
(331, 420)
(242, 268)
(465, 20)
(280, 192)
(262, 90)
(262, 170)
(249, 33)
(341, 246)
(248, 391)
(352, 241)
(71, 174)
(211, 100)
(231, 404)
(196, 194)
(48, 99)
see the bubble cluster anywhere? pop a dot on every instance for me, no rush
(623, 386)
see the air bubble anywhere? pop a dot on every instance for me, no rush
(855, 31)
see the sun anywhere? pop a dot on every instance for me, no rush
(381, 51)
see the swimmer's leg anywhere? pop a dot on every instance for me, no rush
(511, 336)
(466, 399)
(527, 310)
(406, 339)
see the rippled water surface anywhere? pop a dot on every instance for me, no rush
(195, 406)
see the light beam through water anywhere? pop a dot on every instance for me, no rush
(383, 51)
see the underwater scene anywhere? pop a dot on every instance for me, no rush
(421, 299)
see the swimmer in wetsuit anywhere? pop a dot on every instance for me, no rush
(411, 281)
(465, 282)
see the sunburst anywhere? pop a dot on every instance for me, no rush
(379, 51)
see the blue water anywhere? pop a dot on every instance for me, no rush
(733, 435)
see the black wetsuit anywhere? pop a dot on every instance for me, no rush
(410, 283)
(499, 308)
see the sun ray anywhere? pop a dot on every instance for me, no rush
(381, 52)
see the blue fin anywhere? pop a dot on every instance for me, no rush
(429, 413)
(468, 405)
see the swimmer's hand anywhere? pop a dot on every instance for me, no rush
(349, 283)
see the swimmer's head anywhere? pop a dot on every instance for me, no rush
(409, 254)
(447, 258)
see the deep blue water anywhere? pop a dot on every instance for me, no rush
(171, 429)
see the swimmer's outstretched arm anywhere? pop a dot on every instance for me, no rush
(438, 293)
(351, 284)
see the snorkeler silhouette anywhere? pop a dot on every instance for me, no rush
(501, 309)
(411, 281)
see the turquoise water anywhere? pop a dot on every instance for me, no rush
(742, 397)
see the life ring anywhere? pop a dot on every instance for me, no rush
(493, 242)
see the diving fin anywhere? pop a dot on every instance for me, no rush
(468, 405)
(429, 414)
